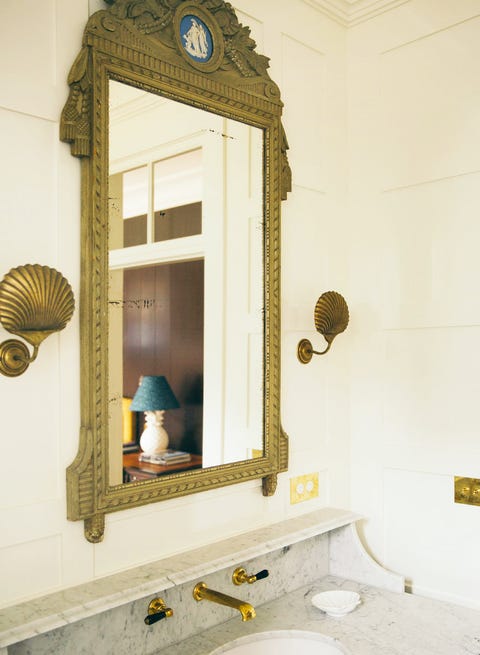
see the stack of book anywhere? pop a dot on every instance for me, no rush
(166, 457)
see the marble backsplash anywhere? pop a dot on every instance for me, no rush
(122, 630)
(107, 616)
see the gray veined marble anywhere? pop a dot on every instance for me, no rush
(385, 623)
(67, 607)
(291, 565)
(348, 559)
(305, 555)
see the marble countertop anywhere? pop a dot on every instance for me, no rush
(385, 623)
(61, 608)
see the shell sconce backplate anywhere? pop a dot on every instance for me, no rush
(331, 318)
(35, 301)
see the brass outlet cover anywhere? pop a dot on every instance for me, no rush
(467, 490)
(303, 487)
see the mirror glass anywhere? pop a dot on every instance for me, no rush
(186, 286)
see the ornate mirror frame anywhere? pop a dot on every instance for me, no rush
(137, 41)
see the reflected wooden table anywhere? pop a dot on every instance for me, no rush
(133, 470)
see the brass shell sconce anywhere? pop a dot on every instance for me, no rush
(35, 301)
(331, 318)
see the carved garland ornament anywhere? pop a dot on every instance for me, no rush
(153, 22)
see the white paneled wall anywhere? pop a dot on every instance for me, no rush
(314, 397)
(40, 550)
(382, 122)
(414, 152)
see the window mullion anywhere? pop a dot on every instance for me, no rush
(151, 204)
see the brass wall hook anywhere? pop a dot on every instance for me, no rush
(331, 318)
(35, 301)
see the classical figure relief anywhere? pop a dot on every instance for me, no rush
(196, 43)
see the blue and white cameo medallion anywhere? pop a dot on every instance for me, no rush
(196, 38)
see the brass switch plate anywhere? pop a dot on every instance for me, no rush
(467, 491)
(303, 487)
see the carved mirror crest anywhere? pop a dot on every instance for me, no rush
(184, 166)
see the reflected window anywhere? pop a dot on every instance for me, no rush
(135, 192)
(178, 180)
(183, 221)
(156, 310)
(175, 187)
(178, 194)
(135, 206)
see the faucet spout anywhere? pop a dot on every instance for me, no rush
(201, 592)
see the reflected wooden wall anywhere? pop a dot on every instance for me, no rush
(163, 335)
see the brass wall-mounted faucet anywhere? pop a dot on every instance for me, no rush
(201, 592)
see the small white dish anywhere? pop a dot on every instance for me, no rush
(336, 603)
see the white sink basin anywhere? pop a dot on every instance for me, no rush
(281, 642)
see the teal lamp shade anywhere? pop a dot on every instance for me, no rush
(153, 393)
(153, 397)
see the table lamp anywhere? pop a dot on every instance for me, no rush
(153, 397)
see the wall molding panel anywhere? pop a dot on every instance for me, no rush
(40, 551)
(352, 12)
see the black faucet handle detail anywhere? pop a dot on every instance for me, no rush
(240, 576)
(150, 619)
(157, 610)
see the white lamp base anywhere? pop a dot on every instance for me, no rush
(154, 438)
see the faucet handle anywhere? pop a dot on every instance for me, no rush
(240, 576)
(157, 610)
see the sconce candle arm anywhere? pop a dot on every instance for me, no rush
(28, 360)
(305, 350)
(322, 352)
(15, 357)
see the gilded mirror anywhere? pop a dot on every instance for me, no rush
(178, 127)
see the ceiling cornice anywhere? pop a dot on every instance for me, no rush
(352, 12)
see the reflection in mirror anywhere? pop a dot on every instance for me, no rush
(185, 281)
(184, 164)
